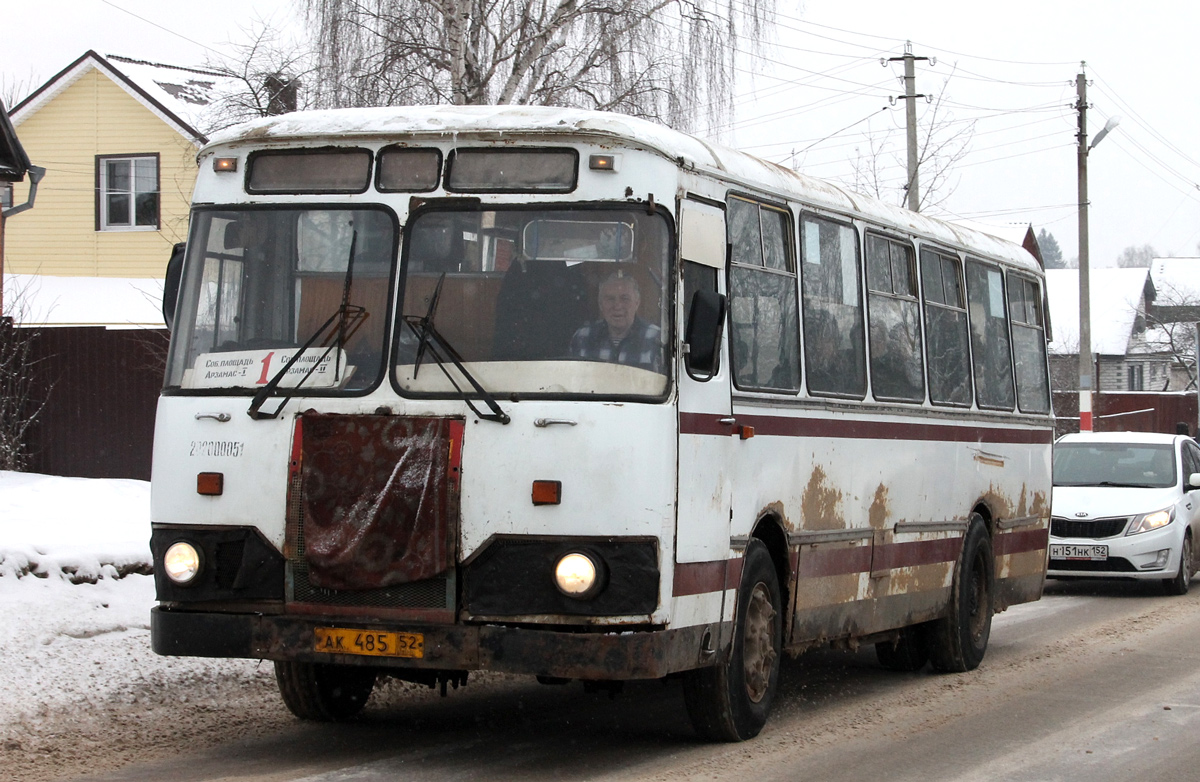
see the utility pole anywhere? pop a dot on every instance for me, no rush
(910, 95)
(1085, 304)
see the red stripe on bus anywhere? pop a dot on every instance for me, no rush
(1020, 541)
(815, 563)
(698, 578)
(917, 552)
(780, 426)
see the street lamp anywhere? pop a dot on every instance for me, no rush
(1085, 315)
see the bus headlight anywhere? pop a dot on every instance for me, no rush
(181, 563)
(578, 575)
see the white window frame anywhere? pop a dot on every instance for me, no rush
(102, 193)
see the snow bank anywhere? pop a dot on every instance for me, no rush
(78, 529)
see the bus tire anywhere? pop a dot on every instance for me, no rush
(907, 653)
(322, 692)
(732, 700)
(958, 641)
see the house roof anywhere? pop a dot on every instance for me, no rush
(112, 302)
(13, 160)
(1115, 301)
(1176, 281)
(181, 96)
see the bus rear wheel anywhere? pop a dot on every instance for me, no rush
(732, 700)
(958, 641)
(324, 693)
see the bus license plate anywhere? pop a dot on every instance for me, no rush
(1094, 553)
(340, 640)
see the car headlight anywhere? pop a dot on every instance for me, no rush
(1151, 521)
(181, 563)
(579, 575)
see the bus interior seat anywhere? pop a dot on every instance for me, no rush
(540, 306)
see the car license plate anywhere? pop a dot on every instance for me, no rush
(341, 640)
(1094, 553)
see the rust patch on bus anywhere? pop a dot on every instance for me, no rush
(878, 515)
(827, 590)
(821, 506)
(919, 578)
(775, 511)
(1040, 507)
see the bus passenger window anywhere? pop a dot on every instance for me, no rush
(762, 298)
(1029, 344)
(834, 353)
(989, 337)
(946, 330)
(897, 371)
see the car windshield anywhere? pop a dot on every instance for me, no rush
(537, 302)
(1144, 465)
(260, 285)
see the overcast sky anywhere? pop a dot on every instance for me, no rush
(820, 96)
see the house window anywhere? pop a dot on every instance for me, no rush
(127, 193)
(1137, 380)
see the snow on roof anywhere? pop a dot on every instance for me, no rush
(111, 302)
(1010, 232)
(1176, 281)
(181, 96)
(1116, 298)
(452, 122)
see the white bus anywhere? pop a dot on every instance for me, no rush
(569, 394)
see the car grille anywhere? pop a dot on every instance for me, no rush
(1092, 529)
(1110, 565)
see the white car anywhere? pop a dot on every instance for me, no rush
(1126, 505)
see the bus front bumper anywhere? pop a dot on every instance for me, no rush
(615, 655)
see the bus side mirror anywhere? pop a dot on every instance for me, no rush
(171, 283)
(705, 324)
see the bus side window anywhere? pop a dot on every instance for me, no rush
(989, 336)
(834, 353)
(1029, 344)
(762, 298)
(946, 330)
(894, 318)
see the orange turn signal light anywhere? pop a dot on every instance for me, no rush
(547, 492)
(745, 432)
(225, 164)
(211, 484)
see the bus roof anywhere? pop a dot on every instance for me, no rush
(495, 121)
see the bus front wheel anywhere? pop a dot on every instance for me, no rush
(731, 700)
(958, 641)
(325, 693)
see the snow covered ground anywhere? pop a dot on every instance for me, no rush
(75, 660)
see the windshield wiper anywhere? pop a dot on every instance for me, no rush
(429, 339)
(348, 317)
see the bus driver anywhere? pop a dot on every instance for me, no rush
(620, 335)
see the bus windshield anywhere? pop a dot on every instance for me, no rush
(262, 285)
(537, 302)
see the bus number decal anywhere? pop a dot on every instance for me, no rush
(230, 448)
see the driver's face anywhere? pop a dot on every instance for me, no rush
(618, 305)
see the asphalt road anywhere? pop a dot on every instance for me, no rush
(1094, 682)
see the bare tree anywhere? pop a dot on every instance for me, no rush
(20, 389)
(669, 60)
(272, 75)
(941, 143)
(1136, 257)
(1171, 326)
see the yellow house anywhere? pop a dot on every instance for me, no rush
(118, 139)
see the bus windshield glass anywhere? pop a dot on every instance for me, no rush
(299, 293)
(543, 302)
